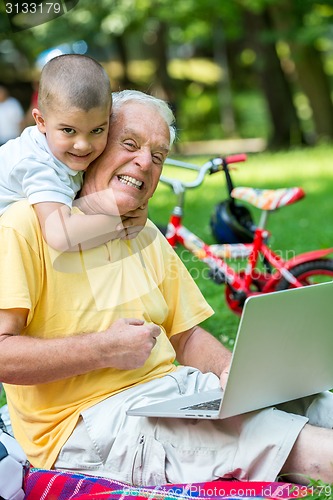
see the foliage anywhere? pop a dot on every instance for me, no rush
(147, 45)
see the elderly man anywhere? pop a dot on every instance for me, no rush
(87, 335)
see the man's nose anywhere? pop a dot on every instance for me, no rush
(143, 159)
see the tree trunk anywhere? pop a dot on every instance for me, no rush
(286, 126)
(314, 83)
(120, 43)
(312, 79)
(227, 116)
(164, 84)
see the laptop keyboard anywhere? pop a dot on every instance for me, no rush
(208, 405)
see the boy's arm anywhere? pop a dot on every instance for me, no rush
(64, 231)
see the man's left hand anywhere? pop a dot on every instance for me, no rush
(224, 377)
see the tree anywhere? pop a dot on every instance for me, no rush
(151, 32)
(300, 24)
(286, 128)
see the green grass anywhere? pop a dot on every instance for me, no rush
(318, 490)
(2, 398)
(306, 225)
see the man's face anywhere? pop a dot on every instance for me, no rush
(132, 162)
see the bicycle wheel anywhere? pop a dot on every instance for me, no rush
(309, 273)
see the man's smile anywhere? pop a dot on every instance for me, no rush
(130, 181)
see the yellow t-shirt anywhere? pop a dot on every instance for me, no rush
(73, 293)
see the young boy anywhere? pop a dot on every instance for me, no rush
(46, 163)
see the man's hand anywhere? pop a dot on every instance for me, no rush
(133, 222)
(128, 344)
(125, 345)
(224, 377)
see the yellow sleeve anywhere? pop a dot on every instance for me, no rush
(20, 266)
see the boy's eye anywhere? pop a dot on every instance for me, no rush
(98, 130)
(68, 131)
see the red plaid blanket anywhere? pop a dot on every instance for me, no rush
(53, 485)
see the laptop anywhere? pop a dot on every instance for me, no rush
(283, 351)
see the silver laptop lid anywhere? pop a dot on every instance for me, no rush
(283, 349)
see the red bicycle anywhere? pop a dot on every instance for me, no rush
(264, 270)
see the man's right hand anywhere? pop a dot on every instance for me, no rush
(127, 343)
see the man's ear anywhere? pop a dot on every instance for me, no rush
(40, 122)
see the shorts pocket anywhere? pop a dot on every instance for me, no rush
(80, 452)
(149, 462)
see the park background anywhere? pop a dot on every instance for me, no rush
(250, 76)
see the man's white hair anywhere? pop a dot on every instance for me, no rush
(124, 96)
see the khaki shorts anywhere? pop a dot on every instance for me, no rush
(151, 451)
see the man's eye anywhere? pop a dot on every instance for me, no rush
(130, 145)
(158, 159)
(68, 131)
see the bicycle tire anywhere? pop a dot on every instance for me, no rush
(309, 273)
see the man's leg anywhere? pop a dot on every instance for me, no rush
(249, 447)
(311, 456)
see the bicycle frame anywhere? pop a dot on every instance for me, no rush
(179, 234)
(240, 285)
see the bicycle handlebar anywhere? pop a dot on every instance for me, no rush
(211, 167)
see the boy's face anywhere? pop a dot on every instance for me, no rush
(75, 137)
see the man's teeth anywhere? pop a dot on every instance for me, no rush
(130, 181)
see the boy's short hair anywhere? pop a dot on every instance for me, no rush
(74, 80)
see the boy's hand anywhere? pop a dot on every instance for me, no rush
(133, 222)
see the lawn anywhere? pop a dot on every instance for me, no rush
(2, 398)
(304, 226)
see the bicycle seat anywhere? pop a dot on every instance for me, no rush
(268, 199)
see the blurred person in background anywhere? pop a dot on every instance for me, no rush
(11, 116)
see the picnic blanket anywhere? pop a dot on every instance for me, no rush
(55, 485)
